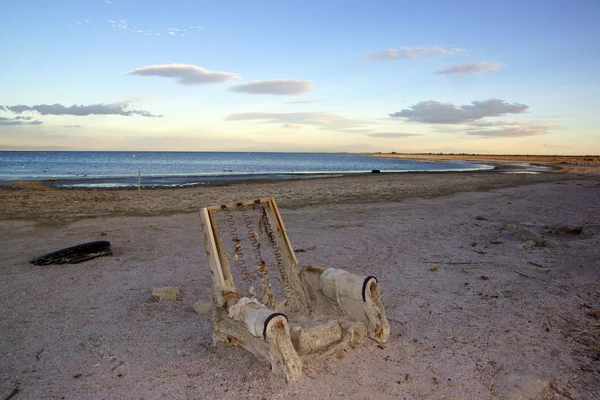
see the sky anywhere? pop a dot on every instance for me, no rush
(501, 77)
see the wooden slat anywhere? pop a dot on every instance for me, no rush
(286, 245)
(223, 260)
(290, 263)
(234, 206)
(211, 250)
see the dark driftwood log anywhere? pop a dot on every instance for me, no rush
(75, 254)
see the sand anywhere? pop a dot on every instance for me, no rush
(484, 301)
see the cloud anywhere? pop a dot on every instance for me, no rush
(292, 126)
(18, 121)
(435, 112)
(185, 74)
(322, 120)
(555, 146)
(303, 102)
(498, 123)
(2, 108)
(508, 132)
(72, 126)
(94, 109)
(473, 68)
(410, 53)
(393, 135)
(276, 86)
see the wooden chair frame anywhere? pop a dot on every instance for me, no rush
(349, 304)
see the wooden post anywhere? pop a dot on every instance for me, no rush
(139, 182)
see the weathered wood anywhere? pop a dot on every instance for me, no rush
(290, 262)
(330, 310)
(220, 285)
(236, 205)
(75, 254)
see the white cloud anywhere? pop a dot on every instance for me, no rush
(506, 128)
(473, 68)
(94, 109)
(292, 126)
(321, 120)
(185, 74)
(498, 123)
(393, 135)
(122, 24)
(410, 53)
(435, 112)
(276, 87)
(508, 132)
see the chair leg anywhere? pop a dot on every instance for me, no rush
(282, 354)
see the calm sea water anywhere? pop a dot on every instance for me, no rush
(120, 169)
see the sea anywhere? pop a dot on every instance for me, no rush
(116, 169)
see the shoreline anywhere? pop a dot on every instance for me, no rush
(502, 158)
(198, 181)
(58, 207)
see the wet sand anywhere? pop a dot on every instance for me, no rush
(486, 299)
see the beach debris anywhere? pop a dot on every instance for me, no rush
(375, 171)
(12, 394)
(305, 250)
(167, 293)
(530, 239)
(482, 218)
(75, 254)
(497, 241)
(203, 306)
(536, 264)
(314, 310)
(567, 230)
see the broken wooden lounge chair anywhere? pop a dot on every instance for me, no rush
(307, 310)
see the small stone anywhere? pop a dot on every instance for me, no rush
(482, 218)
(497, 241)
(103, 234)
(529, 244)
(203, 306)
(169, 293)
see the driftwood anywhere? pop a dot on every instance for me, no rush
(75, 254)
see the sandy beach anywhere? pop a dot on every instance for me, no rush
(491, 282)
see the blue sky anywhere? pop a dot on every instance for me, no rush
(405, 76)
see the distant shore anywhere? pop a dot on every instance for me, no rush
(542, 159)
